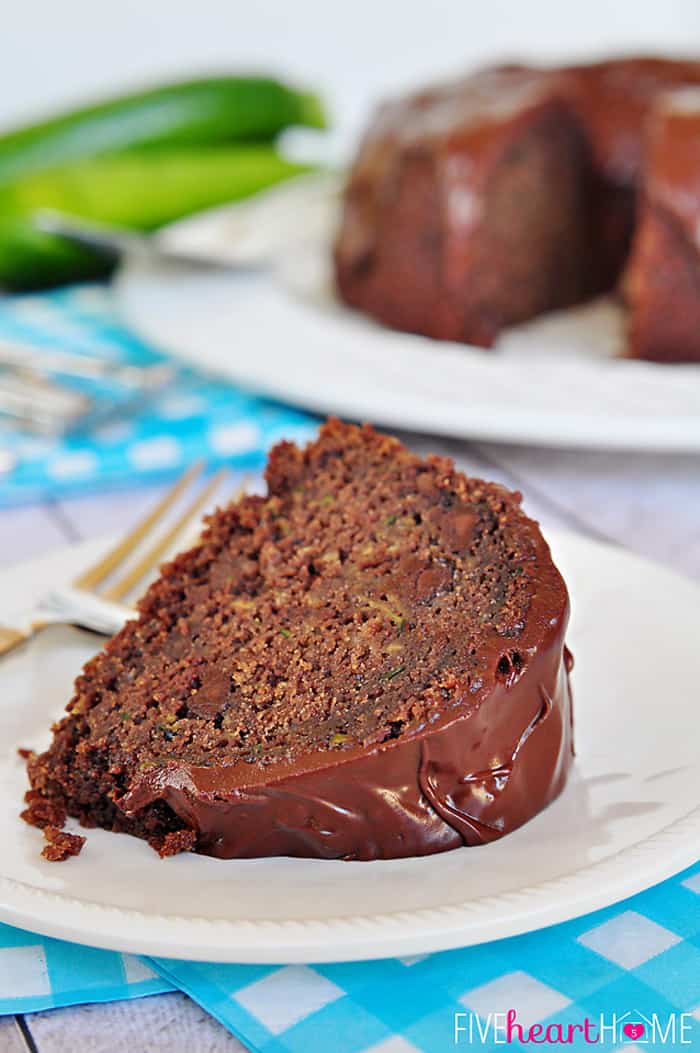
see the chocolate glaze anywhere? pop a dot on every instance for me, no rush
(613, 99)
(469, 778)
(662, 282)
(672, 161)
(461, 124)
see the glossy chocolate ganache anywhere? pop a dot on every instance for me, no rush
(366, 663)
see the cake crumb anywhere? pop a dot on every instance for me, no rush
(176, 841)
(61, 845)
(42, 812)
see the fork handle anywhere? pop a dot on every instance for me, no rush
(11, 638)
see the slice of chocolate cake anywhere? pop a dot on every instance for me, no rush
(366, 663)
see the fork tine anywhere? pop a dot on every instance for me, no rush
(154, 554)
(99, 571)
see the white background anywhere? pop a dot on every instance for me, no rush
(59, 51)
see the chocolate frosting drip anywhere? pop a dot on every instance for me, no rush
(466, 780)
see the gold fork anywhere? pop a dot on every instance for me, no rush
(90, 584)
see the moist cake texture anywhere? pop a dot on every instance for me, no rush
(368, 662)
(489, 200)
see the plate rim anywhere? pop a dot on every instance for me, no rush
(214, 938)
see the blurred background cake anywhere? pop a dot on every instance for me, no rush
(489, 200)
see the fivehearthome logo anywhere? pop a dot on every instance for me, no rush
(613, 1029)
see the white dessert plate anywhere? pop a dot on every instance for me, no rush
(629, 817)
(557, 381)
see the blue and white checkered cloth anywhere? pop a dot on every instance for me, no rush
(38, 973)
(638, 961)
(193, 418)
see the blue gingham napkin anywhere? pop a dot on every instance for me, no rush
(193, 417)
(630, 962)
(634, 964)
(38, 973)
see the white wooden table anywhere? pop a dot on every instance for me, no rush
(647, 503)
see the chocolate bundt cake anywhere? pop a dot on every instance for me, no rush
(366, 663)
(485, 202)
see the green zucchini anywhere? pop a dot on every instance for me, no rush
(138, 190)
(205, 111)
(31, 260)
